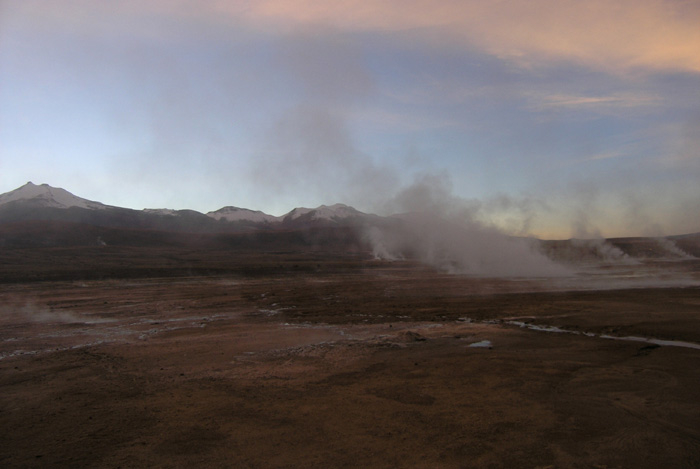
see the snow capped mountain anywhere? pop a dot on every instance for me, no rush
(329, 213)
(160, 211)
(324, 212)
(230, 213)
(46, 196)
(22, 202)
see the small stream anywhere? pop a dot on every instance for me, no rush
(648, 340)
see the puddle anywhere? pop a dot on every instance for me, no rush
(482, 344)
(668, 343)
(647, 340)
(536, 327)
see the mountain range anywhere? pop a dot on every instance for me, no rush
(44, 216)
(30, 200)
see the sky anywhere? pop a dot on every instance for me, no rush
(550, 118)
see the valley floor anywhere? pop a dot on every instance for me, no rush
(380, 365)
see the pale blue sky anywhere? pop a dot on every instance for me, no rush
(557, 118)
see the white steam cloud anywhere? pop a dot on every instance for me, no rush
(310, 149)
(29, 311)
(445, 231)
(671, 247)
(600, 250)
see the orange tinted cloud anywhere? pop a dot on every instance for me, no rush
(618, 36)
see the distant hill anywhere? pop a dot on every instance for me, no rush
(36, 216)
(33, 202)
(45, 216)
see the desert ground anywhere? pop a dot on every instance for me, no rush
(318, 361)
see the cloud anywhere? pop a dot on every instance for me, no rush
(617, 36)
(599, 103)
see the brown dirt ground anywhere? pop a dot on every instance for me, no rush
(362, 367)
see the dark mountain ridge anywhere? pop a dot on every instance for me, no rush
(41, 216)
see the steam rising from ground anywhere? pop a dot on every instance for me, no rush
(602, 250)
(446, 232)
(312, 149)
(464, 248)
(32, 312)
(671, 247)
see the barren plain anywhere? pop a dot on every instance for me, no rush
(306, 360)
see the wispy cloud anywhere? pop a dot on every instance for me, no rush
(616, 36)
(572, 101)
(598, 104)
(405, 122)
(605, 156)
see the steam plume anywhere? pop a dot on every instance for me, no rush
(444, 231)
(671, 247)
